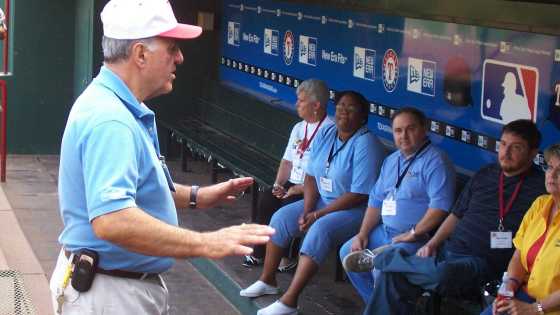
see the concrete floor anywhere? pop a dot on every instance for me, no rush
(30, 224)
(31, 189)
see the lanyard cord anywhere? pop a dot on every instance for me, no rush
(401, 176)
(305, 143)
(505, 209)
(331, 155)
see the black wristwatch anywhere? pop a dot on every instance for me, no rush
(194, 193)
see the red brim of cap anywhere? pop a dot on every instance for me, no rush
(183, 31)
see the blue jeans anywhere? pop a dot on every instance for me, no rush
(325, 234)
(404, 277)
(381, 235)
(519, 295)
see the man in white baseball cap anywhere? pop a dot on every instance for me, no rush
(117, 199)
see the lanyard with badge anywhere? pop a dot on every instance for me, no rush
(305, 143)
(502, 238)
(325, 181)
(389, 206)
(297, 170)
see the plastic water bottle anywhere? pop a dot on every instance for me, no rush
(504, 293)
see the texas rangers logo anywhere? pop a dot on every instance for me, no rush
(288, 47)
(390, 70)
(509, 91)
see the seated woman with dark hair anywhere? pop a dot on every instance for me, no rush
(534, 270)
(343, 166)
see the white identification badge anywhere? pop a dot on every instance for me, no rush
(501, 239)
(389, 206)
(326, 184)
(297, 174)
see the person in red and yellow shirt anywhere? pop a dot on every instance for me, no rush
(534, 269)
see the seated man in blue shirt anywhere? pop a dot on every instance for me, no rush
(411, 197)
(117, 200)
(475, 240)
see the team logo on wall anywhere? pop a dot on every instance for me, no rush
(233, 33)
(390, 70)
(271, 42)
(308, 50)
(421, 76)
(364, 63)
(288, 47)
(509, 91)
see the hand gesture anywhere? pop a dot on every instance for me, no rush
(235, 240)
(224, 192)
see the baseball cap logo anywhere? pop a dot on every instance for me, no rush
(509, 91)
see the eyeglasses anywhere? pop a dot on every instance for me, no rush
(349, 109)
(548, 168)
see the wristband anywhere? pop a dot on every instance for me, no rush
(194, 193)
(540, 309)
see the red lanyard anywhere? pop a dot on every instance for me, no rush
(305, 143)
(505, 210)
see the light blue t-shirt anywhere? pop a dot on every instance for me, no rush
(109, 161)
(352, 169)
(429, 183)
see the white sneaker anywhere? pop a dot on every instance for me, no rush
(258, 288)
(362, 260)
(278, 308)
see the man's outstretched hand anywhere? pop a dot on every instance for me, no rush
(224, 192)
(235, 240)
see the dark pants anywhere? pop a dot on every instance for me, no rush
(266, 206)
(404, 277)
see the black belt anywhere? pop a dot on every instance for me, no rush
(122, 273)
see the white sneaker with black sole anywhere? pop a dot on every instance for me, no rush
(362, 260)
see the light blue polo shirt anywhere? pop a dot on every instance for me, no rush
(353, 169)
(109, 161)
(429, 183)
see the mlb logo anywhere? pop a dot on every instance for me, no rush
(271, 42)
(233, 33)
(308, 50)
(509, 91)
(364, 63)
(421, 76)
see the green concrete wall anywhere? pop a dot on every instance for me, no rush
(40, 88)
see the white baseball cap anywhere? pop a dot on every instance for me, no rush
(134, 19)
